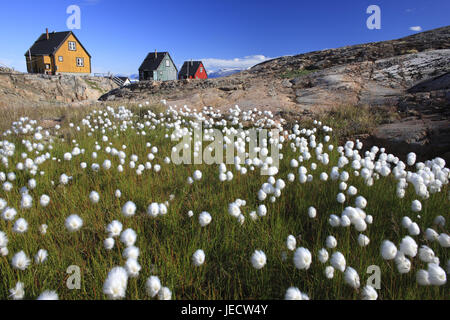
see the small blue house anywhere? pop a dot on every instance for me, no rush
(158, 66)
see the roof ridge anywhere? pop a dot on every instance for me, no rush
(152, 62)
(43, 46)
(194, 65)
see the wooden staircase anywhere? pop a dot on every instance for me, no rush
(117, 81)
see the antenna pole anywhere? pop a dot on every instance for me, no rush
(31, 63)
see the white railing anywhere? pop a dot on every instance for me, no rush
(118, 81)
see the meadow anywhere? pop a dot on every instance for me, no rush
(99, 191)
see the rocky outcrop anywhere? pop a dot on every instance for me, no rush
(375, 74)
(221, 93)
(142, 90)
(19, 89)
(427, 137)
(425, 127)
(410, 75)
(382, 82)
(318, 60)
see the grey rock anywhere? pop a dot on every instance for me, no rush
(19, 89)
(286, 83)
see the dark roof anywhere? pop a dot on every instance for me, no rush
(191, 67)
(42, 46)
(152, 62)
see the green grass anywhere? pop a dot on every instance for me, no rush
(94, 85)
(167, 243)
(349, 121)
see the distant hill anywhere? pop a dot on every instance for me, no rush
(223, 72)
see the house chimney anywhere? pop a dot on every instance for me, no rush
(156, 54)
(46, 31)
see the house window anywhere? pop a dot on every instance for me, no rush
(47, 66)
(80, 62)
(60, 59)
(167, 63)
(72, 46)
(201, 70)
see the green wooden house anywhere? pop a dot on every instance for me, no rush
(158, 66)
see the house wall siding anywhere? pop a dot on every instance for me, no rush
(69, 63)
(166, 73)
(201, 73)
(162, 73)
(39, 63)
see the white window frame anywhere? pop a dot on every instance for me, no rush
(167, 63)
(47, 66)
(72, 46)
(80, 60)
(60, 58)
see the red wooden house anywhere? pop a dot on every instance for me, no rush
(192, 70)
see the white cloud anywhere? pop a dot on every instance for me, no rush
(415, 28)
(214, 64)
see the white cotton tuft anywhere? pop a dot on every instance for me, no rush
(198, 258)
(153, 285)
(258, 259)
(388, 250)
(302, 258)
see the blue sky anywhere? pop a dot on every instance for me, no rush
(222, 33)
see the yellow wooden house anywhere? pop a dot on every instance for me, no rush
(58, 53)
